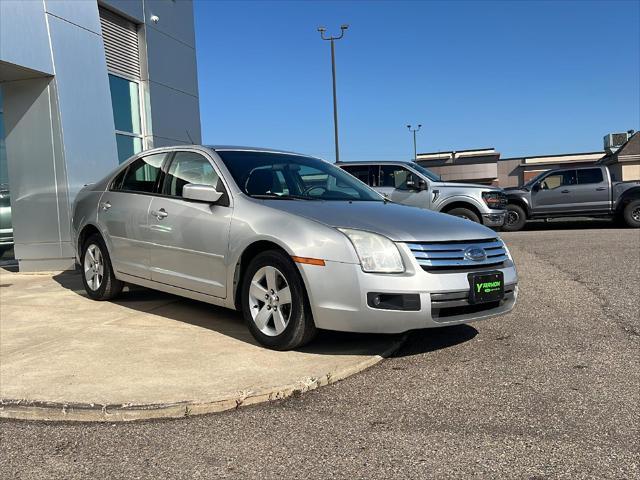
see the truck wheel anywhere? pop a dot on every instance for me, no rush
(631, 214)
(464, 213)
(274, 302)
(515, 219)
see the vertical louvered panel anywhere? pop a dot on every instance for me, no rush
(120, 44)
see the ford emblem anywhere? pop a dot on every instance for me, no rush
(475, 254)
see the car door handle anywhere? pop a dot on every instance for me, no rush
(105, 206)
(599, 189)
(160, 214)
(564, 191)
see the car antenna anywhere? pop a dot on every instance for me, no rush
(189, 136)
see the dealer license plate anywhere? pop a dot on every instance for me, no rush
(486, 287)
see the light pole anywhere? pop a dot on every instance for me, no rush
(333, 73)
(414, 130)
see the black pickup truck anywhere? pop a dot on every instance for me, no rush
(573, 192)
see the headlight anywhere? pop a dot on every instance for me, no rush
(377, 253)
(495, 200)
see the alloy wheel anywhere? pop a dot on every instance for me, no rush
(93, 267)
(635, 214)
(512, 217)
(270, 301)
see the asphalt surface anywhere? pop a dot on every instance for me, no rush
(551, 390)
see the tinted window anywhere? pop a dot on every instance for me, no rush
(590, 175)
(361, 172)
(560, 179)
(395, 176)
(287, 176)
(189, 167)
(142, 175)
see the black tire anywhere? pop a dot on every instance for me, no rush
(631, 214)
(109, 286)
(464, 213)
(300, 328)
(515, 219)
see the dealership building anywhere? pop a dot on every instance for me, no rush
(84, 84)
(621, 153)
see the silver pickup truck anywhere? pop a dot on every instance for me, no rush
(412, 184)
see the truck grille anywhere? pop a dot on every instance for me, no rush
(441, 256)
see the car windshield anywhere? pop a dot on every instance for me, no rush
(426, 172)
(284, 176)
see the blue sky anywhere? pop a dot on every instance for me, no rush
(528, 78)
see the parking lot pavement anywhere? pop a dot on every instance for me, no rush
(548, 391)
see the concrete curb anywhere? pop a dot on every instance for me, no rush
(84, 412)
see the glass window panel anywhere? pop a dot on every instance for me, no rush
(395, 176)
(590, 175)
(142, 174)
(361, 172)
(127, 146)
(125, 101)
(189, 167)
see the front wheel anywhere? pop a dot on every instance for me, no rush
(515, 218)
(631, 214)
(97, 273)
(274, 302)
(465, 213)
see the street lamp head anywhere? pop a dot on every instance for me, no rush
(322, 29)
(344, 26)
(419, 125)
(408, 126)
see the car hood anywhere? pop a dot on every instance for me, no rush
(466, 185)
(400, 223)
(515, 190)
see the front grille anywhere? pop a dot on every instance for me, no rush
(443, 256)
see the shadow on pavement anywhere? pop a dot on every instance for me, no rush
(432, 339)
(572, 224)
(224, 321)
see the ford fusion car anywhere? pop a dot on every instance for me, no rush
(293, 242)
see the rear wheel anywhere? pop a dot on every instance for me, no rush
(515, 219)
(274, 302)
(97, 274)
(631, 214)
(464, 213)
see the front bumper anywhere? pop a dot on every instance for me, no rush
(494, 219)
(338, 296)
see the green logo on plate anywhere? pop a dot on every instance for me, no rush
(488, 287)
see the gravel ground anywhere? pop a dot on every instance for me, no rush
(551, 390)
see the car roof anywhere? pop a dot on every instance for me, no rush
(377, 162)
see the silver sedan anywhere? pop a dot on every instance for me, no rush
(292, 241)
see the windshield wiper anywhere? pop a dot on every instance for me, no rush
(284, 197)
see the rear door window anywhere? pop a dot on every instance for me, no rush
(361, 172)
(142, 175)
(590, 175)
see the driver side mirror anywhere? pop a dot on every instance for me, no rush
(200, 193)
(535, 187)
(418, 185)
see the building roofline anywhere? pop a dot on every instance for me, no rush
(524, 157)
(444, 152)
